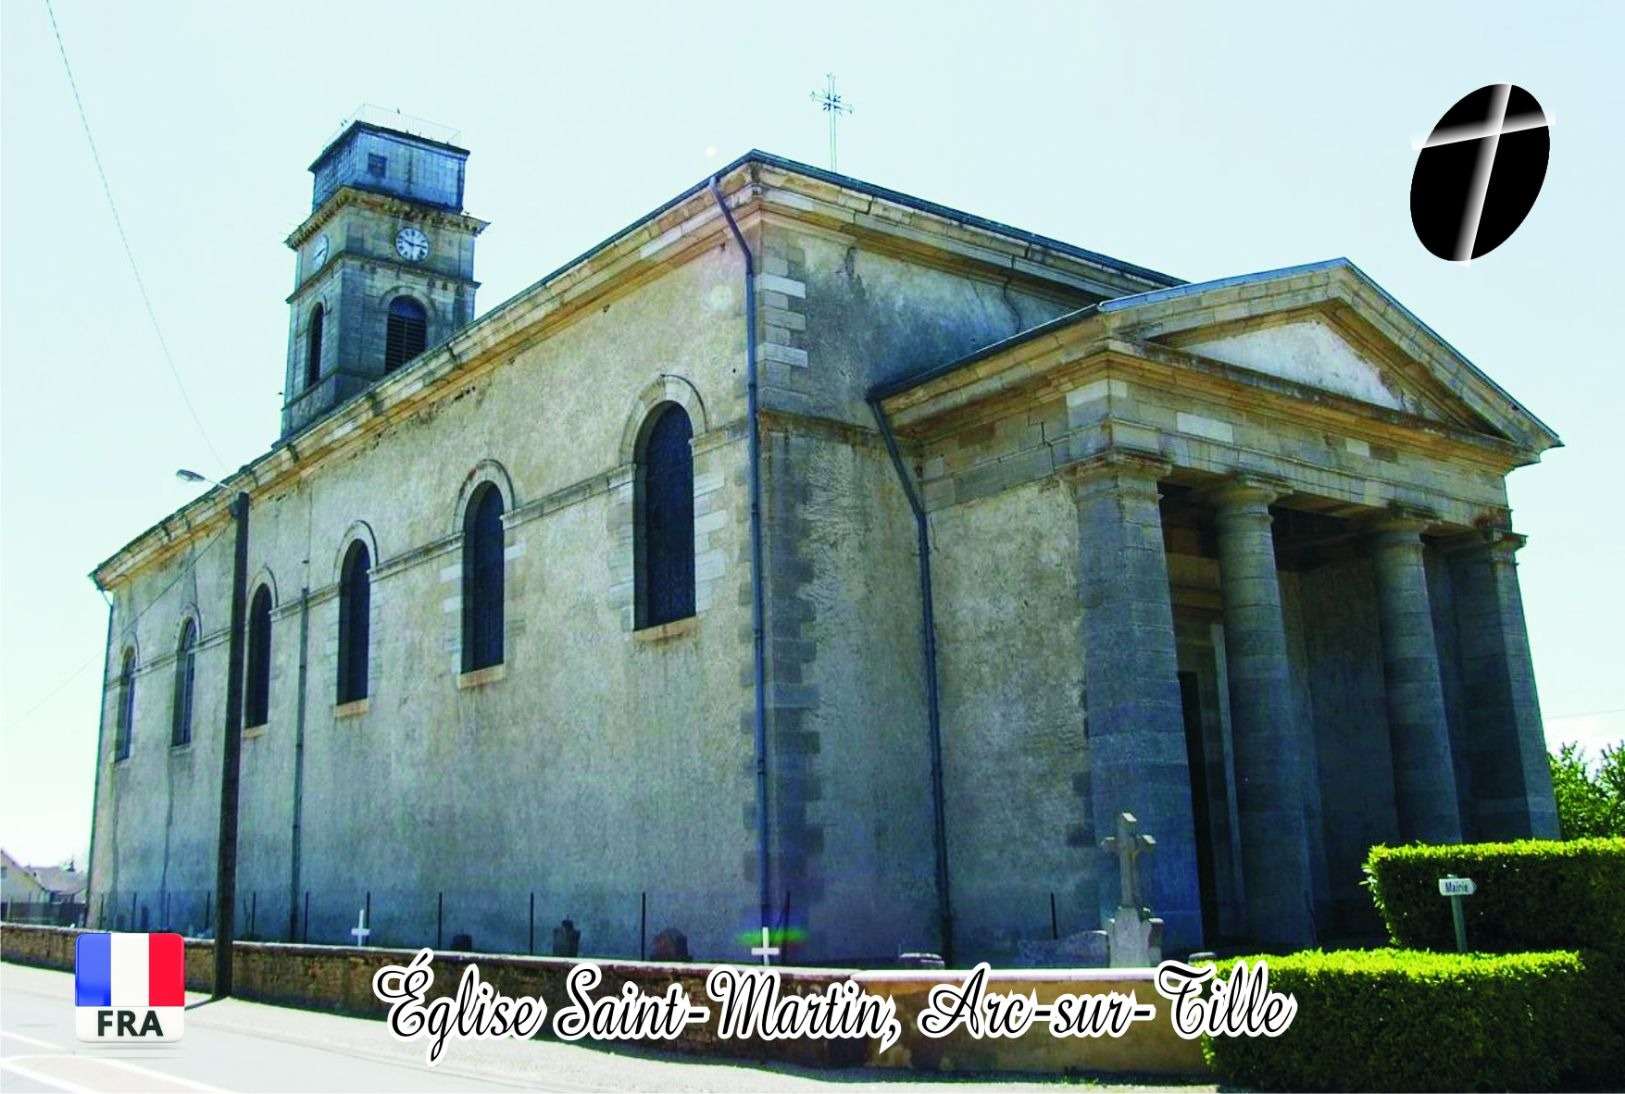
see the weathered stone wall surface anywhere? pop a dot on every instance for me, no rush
(593, 767)
(851, 809)
(1343, 666)
(1016, 760)
(873, 317)
(340, 979)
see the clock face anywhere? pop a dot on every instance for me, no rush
(318, 253)
(412, 245)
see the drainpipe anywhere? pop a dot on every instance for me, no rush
(101, 732)
(933, 709)
(758, 651)
(299, 762)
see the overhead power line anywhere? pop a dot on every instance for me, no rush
(124, 238)
(128, 628)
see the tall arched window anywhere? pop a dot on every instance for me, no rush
(313, 348)
(355, 619)
(257, 690)
(185, 673)
(665, 544)
(407, 333)
(124, 722)
(482, 579)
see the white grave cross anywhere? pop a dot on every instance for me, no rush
(360, 929)
(766, 951)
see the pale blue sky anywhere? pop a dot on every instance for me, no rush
(1199, 140)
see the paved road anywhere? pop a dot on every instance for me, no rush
(237, 1046)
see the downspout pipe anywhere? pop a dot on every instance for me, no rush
(764, 886)
(296, 856)
(101, 761)
(933, 707)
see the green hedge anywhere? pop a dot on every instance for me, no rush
(1532, 894)
(1410, 1020)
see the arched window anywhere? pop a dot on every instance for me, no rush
(124, 723)
(355, 618)
(482, 579)
(185, 673)
(406, 334)
(257, 691)
(313, 348)
(665, 543)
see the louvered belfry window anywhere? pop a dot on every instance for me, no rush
(666, 565)
(407, 333)
(482, 580)
(355, 622)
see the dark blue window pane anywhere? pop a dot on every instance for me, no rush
(313, 351)
(668, 519)
(126, 707)
(355, 620)
(185, 674)
(257, 692)
(482, 580)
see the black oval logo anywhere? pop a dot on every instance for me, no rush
(1479, 172)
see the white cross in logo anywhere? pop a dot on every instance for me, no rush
(1488, 133)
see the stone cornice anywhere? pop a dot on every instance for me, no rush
(1033, 369)
(385, 204)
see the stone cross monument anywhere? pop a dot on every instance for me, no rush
(1133, 938)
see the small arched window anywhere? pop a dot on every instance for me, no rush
(257, 691)
(355, 620)
(124, 721)
(665, 541)
(482, 580)
(185, 674)
(406, 334)
(313, 348)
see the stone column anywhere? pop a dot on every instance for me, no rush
(1134, 726)
(1419, 734)
(1511, 783)
(1266, 724)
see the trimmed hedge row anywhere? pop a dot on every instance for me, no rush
(1409, 1020)
(1532, 894)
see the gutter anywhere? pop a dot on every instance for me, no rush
(764, 889)
(933, 706)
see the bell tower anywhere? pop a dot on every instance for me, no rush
(385, 261)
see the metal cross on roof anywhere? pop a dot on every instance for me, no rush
(834, 106)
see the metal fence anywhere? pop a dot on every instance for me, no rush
(49, 913)
(611, 924)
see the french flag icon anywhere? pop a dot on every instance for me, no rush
(129, 987)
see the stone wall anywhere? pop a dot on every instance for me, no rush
(594, 766)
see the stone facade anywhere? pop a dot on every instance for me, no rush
(1235, 558)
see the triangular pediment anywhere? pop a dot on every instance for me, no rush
(1329, 327)
(1314, 353)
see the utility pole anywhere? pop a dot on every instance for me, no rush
(231, 756)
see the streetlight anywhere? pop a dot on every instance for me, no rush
(231, 755)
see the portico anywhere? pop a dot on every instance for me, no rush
(1295, 607)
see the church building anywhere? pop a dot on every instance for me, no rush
(811, 555)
